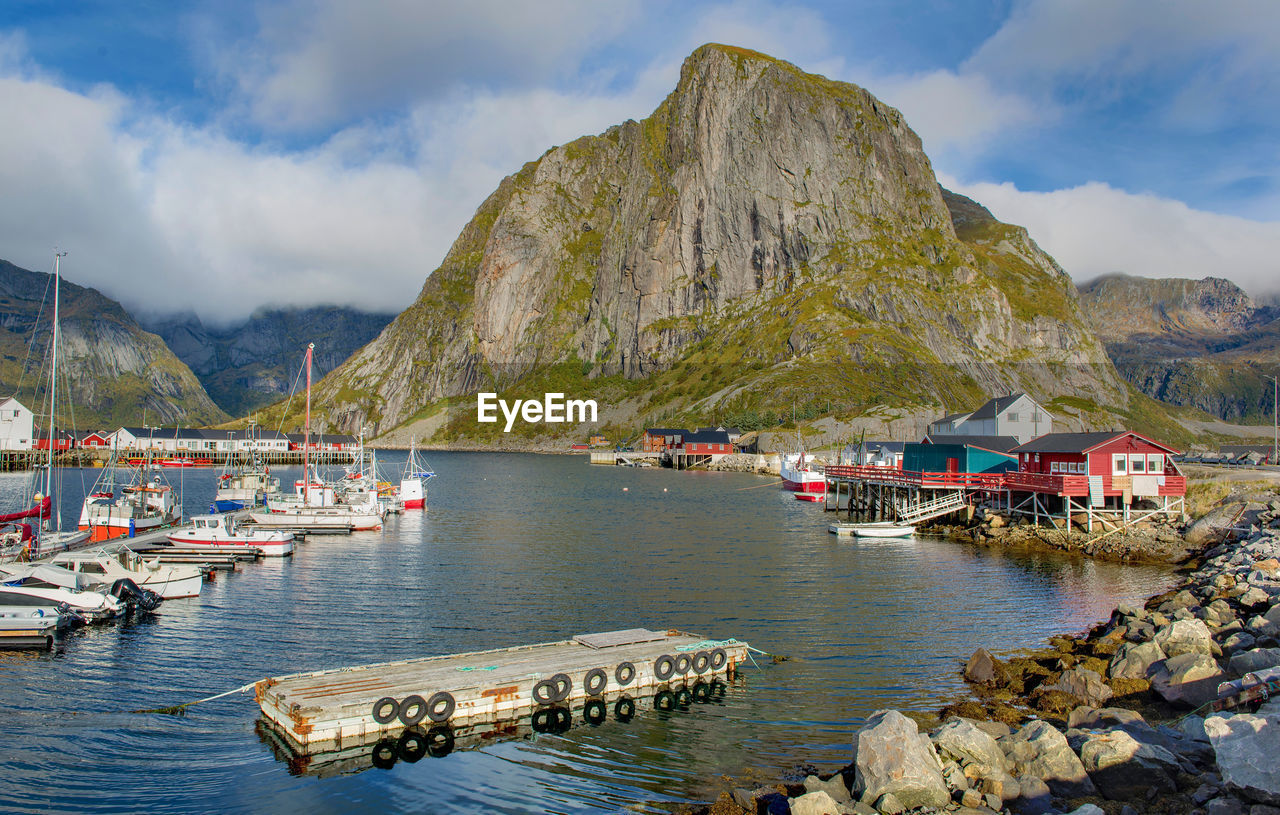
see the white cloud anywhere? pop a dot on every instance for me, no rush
(316, 63)
(1095, 229)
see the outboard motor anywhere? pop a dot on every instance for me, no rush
(69, 617)
(134, 595)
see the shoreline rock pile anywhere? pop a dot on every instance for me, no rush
(1117, 721)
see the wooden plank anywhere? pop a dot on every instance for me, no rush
(610, 639)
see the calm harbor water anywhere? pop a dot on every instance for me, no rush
(517, 549)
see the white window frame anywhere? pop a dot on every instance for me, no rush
(1138, 464)
(1119, 464)
(1155, 462)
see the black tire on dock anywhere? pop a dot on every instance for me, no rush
(564, 685)
(702, 693)
(683, 698)
(664, 700)
(593, 712)
(385, 754)
(385, 710)
(412, 746)
(595, 681)
(624, 673)
(718, 658)
(624, 709)
(701, 662)
(664, 666)
(683, 664)
(435, 712)
(440, 741)
(412, 710)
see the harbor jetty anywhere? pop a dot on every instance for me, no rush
(1172, 706)
(342, 710)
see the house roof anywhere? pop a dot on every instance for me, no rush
(887, 446)
(952, 417)
(1081, 442)
(707, 436)
(996, 444)
(994, 407)
(665, 431)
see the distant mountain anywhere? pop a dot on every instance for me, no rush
(766, 241)
(115, 372)
(1200, 343)
(254, 363)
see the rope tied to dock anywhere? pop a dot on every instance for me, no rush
(709, 644)
(178, 710)
(476, 668)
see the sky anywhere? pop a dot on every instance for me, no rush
(221, 156)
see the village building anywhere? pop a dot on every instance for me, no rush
(17, 425)
(1016, 415)
(960, 454)
(63, 440)
(874, 454)
(661, 439)
(94, 440)
(701, 447)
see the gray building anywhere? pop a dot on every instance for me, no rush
(1016, 415)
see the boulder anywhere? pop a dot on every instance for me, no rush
(834, 786)
(1246, 746)
(1124, 768)
(1185, 637)
(1238, 641)
(1095, 718)
(888, 804)
(1254, 597)
(1040, 750)
(1084, 684)
(892, 757)
(966, 743)
(1187, 679)
(815, 803)
(1133, 660)
(982, 668)
(1034, 796)
(1088, 809)
(1256, 659)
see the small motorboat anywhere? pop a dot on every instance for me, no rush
(27, 627)
(220, 532)
(50, 586)
(875, 529)
(104, 568)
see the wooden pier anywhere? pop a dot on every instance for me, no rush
(345, 708)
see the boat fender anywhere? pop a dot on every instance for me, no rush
(701, 662)
(385, 753)
(624, 673)
(595, 681)
(593, 713)
(385, 710)
(683, 698)
(702, 693)
(550, 691)
(624, 709)
(440, 741)
(664, 666)
(440, 706)
(664, 700)
(718, 658)
(412, 746)
(412, 710)
(683, 663)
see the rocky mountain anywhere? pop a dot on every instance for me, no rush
(766, 238)
(1200, 343)
(115, 372)
(246, 365)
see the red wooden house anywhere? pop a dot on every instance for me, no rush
(63, 440)
(706, 443)
(662, 439)
(95, 441)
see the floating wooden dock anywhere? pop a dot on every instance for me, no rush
(333, 710)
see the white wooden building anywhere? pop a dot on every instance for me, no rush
(17, 425)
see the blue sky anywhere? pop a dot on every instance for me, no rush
(221, 156)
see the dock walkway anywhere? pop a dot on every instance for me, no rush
(332, 709)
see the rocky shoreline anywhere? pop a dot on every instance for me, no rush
(1119, 720)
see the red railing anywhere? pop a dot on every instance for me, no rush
(1059, 484)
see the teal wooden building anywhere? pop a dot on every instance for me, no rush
(960, 454)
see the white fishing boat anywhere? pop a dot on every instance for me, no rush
(315, 506)
(245, 484)
(103, 569)
(116, 510)
(798, 475)
(222, 533)
(413, 481)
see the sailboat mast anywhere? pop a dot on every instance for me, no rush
(306, 443)
(53, 389)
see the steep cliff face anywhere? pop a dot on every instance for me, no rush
(765, 234)
(116, 372)
(1199, 343)
(251, 364)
